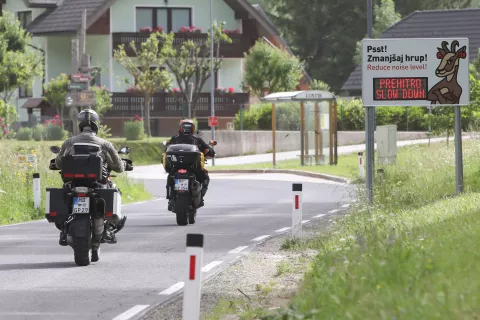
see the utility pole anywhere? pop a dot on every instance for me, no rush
(370, 120)
(212, 75)
(79, 94)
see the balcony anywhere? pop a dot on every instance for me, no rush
(127, 105)
(240, 42)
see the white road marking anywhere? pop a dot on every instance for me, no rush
(283, 229)
(261, 238)
(319, 215)
(211, 265)
(131, 312)
(238, 249)
(305, 221)
(177, 286)
(333, 211)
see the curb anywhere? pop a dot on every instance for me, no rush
(297, 172)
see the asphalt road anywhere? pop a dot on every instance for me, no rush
(39, 279)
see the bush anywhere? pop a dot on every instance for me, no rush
(104, 132)
(39, 133)
(259, 117)
(24, 134)
(134, 130)
(55, 133)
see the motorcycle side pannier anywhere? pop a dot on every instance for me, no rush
(113, 203)
(57, 204)
(82, 167)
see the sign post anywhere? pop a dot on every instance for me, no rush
(417, 72)
(192, 289)
(297, 211)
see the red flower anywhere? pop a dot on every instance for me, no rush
(57, 117)
(1, 119)
(5, 131)
(231, 90)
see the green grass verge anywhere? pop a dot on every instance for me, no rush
(16, 197)
(412, 255)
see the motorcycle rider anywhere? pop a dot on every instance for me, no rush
(88, 124)
(186, 135)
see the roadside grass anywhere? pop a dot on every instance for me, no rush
(412, 255)
(16, 195)
(347, 166)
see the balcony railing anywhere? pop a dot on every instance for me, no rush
(240, 43)
(169, 105)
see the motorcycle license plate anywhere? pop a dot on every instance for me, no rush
(81, 205)
(181, 184)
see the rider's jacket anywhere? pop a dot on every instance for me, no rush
(109, 154)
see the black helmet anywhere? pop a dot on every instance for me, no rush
(186, 126)
(88, 118)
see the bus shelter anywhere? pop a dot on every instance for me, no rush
(318, 108)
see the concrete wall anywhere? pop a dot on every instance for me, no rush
(234, 143)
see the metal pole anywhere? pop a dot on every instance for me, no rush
(429, 124)
(458, 150)
(212, 75)
(369, 119)
(190, 95)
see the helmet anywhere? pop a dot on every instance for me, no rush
(186, 126)
(88, 118)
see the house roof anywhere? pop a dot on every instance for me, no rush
(67, 16)
(430, 24)
(33, 103)
(42, 3)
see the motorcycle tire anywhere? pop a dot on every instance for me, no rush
(191, 218)
(82, 248)
(181, 212)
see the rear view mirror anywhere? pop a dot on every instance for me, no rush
(164, 143)
(124, 150)
(212, 143)
(55, 149)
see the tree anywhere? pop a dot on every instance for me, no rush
(19, 64)
(319, 85)
(269, 69)
(56, 92)
(148, 79)
(103, 100)
(384, 16)
(192, 62)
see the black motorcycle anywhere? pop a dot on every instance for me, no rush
(183, 162)
(88, 202)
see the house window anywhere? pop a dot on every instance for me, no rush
(26, 91)
(170, 19)
(25, 17)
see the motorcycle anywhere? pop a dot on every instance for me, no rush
(183, 162)
(85, 205)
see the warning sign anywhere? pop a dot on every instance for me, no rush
(415, 72)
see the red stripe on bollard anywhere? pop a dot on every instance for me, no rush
(192, 267)
(296, 201)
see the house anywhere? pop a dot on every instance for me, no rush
(427, 24)
(54, 23)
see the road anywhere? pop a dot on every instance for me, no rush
(39, 280)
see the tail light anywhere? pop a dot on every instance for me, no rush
(182, 171)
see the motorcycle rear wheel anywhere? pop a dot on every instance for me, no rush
(181, 212)
(82, 249)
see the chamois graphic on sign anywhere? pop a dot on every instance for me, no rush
(447, 90)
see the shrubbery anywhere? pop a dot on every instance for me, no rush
(351, 117)
(134, 130)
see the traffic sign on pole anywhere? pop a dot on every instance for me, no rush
(213, 121)
(415, 72)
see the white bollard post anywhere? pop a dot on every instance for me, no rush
(192, 288)
(297, 210)
(37, 196)
(361, 169)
